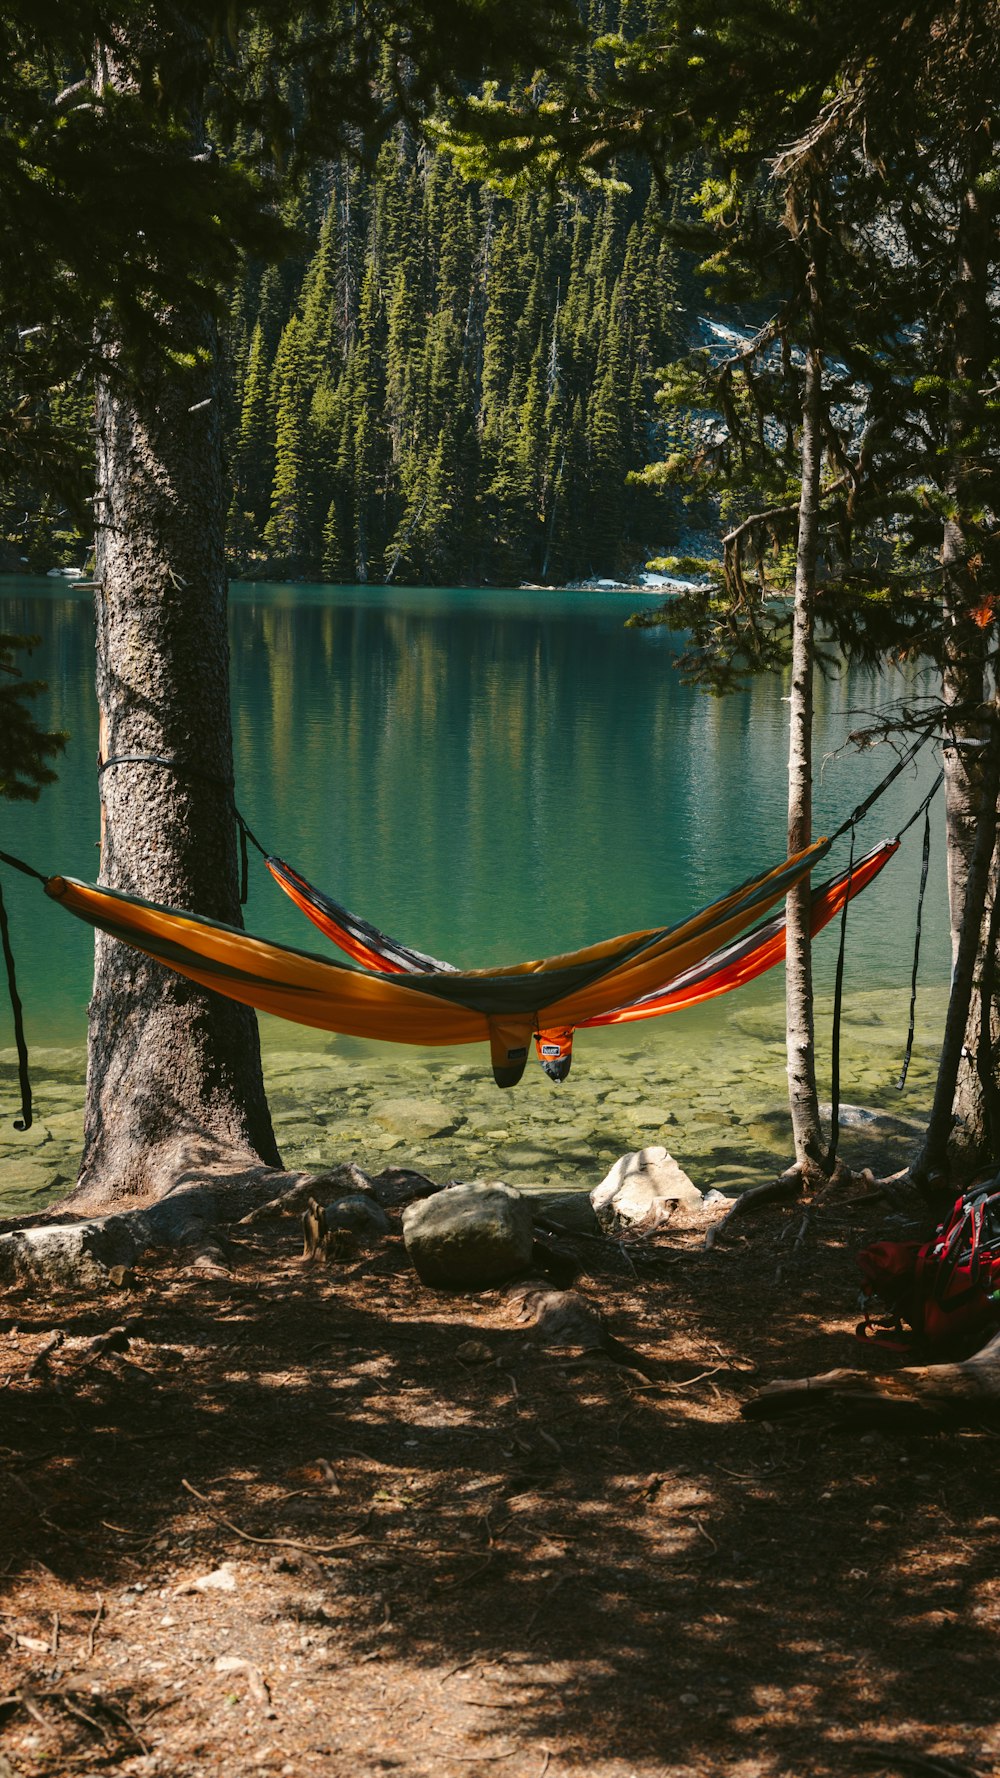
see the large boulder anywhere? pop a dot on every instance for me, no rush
(71, 1254)
(470, 1234)
(644, 1188)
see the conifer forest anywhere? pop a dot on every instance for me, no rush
(438, 384)
(452, 386)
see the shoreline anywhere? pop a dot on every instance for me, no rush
(711, 1093)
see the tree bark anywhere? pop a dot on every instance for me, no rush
(174, 1078)
(803, 1098)
(964, 674)
(960, 1132)
(957, 1068)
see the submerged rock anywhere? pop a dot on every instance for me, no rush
(470, 1234)
(641, 1187)
(416, 1119)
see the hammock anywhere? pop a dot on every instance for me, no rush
(725, 968)
(503, 1007)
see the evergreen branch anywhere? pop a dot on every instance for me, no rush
(733, 537)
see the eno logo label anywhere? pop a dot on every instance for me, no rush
(551, 1049)
(518, 1055)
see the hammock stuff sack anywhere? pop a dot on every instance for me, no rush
(503, 1007)
(726, 967)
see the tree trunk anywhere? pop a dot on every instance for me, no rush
(800, 1037)
(960, 1132)
(174, 1079)
(965, 652)
(958, 1066)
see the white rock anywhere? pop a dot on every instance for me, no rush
(641, 1184)
(221, 1580)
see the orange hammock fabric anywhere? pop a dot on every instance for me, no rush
(725, 968)
(503, 1006)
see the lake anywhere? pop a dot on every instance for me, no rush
(490, 775)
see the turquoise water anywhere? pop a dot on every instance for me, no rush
(490, 775)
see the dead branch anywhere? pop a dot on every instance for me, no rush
(776, 1191)
(963, 1392)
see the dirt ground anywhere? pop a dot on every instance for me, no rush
(323, 1520)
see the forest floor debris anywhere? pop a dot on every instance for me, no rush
(448, 1548)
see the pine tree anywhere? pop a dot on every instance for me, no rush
(252, 470)
(284, 533)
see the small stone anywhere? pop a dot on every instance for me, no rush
(573, 1211)
(474, 1352)
(66, 1253)
(221, 1580)
(359, 1214)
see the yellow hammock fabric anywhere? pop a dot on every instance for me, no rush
(503, 1007)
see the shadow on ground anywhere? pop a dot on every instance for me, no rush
(448, 1551)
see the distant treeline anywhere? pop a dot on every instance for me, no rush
(453, 385)
(440, 384)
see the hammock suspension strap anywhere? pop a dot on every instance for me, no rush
(184, 770)
(925, 859)
(838, 1002)
(24, 1121)
(873, 796)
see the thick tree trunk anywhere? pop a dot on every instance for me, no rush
(174, 1077)
(964, 676)
(803, 1098)
(950, 1135)
(965, 1110)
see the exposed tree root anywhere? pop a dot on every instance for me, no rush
(963, 1392)
(206, 1197)
(793, 1183)
(776, 1191)
(566, 1319)
(211, 1193)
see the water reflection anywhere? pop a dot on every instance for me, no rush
(487, 774)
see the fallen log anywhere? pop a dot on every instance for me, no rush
(958, 1393)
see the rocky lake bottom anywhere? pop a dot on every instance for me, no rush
(708, 1085)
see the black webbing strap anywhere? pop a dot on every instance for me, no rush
(27, 870)
(923, 808)
(179, 766)
(890, 777)
(24, 1121)
(925, 861)
(246, 833)
(183, 770)
(984, 1046)
(838, 1002)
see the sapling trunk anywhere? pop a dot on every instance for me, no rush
(803, 1098)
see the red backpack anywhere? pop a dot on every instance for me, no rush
(945, 1289)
